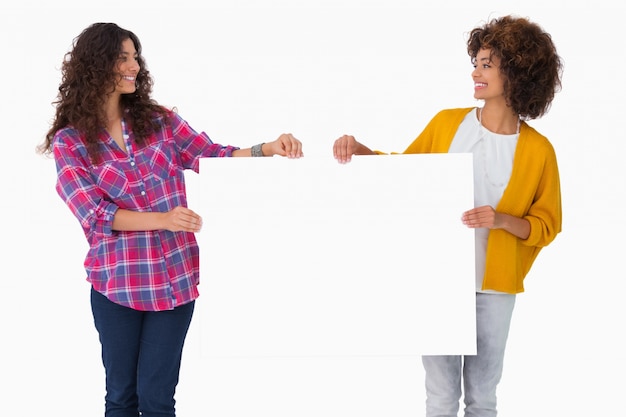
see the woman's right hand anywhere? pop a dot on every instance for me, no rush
(182, 219)
(346, 146)
(286, 145)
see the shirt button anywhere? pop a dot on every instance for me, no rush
(143, 193)
(132, 163)
(125, 136)
(91, 211)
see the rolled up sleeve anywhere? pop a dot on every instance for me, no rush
(78, 190)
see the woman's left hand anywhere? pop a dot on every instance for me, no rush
(484, 216)
(285, 145)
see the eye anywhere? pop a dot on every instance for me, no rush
(126, 57)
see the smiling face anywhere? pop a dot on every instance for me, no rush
(127, 68)
(488, 80)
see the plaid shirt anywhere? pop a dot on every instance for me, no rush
(148, 270)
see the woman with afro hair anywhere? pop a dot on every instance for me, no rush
(517, 197)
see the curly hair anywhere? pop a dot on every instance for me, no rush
(531, 67)
(88, 77)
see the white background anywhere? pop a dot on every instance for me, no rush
(247, 71)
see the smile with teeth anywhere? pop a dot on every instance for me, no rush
(480, 85)
(129, 78)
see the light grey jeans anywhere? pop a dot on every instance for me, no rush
(481, 373)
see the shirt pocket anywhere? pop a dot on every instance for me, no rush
(112, 180)
(159, 157)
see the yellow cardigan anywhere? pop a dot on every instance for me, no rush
(533, 193)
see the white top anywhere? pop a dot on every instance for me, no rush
(493, 162)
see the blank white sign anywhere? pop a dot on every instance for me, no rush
(309, 257)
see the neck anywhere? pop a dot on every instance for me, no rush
(113, 110)
(501, 120)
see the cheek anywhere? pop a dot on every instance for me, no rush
(499, 84)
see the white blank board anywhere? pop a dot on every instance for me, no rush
(308, 257)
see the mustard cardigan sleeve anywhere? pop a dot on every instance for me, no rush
(438, 134)
(533, 193)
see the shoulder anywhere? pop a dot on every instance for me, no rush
(163, 115)
(536, 148)
(452, 115)
(535, 139)
(449, 118)
(70, 144)
(68, 137)
(170, 117)
(455, 112)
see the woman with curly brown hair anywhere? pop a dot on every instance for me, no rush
(517, 197)
(120, 158)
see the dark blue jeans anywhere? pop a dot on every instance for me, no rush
(141, 353)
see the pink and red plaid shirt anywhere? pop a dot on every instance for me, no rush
(149, 270)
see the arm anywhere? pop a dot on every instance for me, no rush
(176, 220)
(98, 215)
(346, 146)
(533, 193)
(184, 219)
(191, 146)
(285, 145)
(435, 138)
(76, 187)
(486, 216)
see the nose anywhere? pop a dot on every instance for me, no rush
(134, 65)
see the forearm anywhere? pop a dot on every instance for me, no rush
(515, 225)
(132, 221)
(486, 216)
(285, 145)
(265, 149)
(363, 150)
